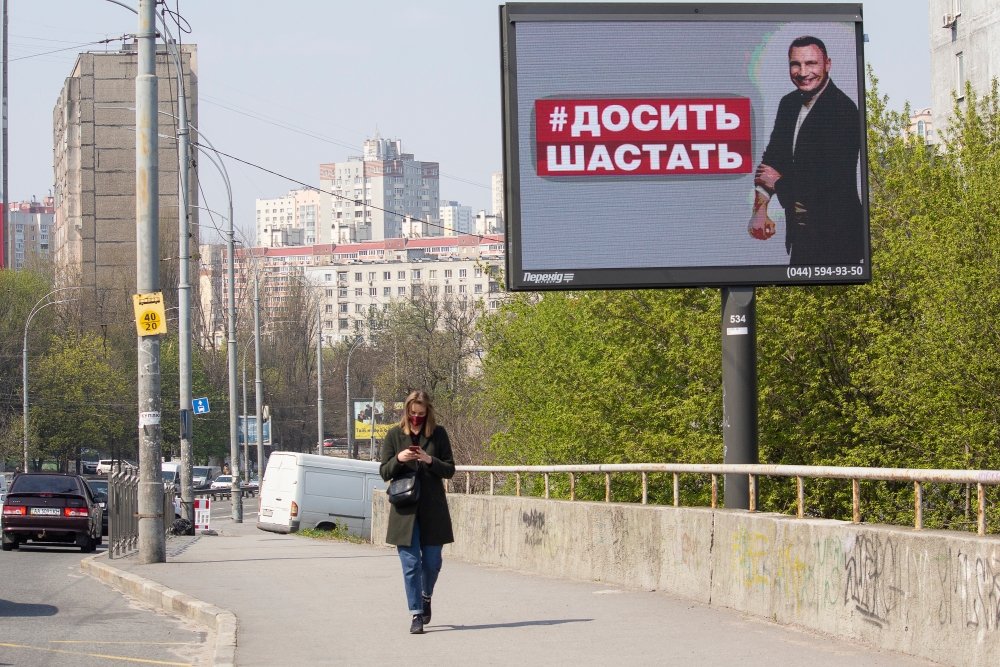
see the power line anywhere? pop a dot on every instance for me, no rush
(75, 47)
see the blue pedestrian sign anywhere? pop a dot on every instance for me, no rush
(200, 405)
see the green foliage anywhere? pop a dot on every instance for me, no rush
(76, 401)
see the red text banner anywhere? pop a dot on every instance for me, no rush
(629, 137)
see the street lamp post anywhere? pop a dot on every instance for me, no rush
(24, 360)
(231, 351)
(347, 390)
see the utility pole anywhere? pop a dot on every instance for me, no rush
(319, 377)
(6, 260)
(152, 539)
(258, 383)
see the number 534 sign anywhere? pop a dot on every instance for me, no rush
(149, 316)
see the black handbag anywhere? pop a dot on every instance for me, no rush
(404, 490)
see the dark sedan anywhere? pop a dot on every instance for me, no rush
(51, 508)
(99, 487)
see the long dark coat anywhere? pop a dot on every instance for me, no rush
(432, 508)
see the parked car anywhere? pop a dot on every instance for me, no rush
(106, 466)
(51, 508)
(222, 486)
(203, 476)
(89, 467)
(99, 487)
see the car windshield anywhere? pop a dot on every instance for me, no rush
(201, 471)
(224, 479)
(168, 475)
(44, 484)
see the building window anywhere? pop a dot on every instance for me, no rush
(329, 293)
(328, 277)
(461, 289)
(462, 273)
(372, 291)
(479, 288)
(357, 276)
(343, 307)
(449, 289)
(447, 273)
(358, 308)
(328, 308)
(342, 324)
(387, 275)
(401, 275)
(479, 272)
(359, 291)
(434, 274)
(342, 275)
(415, 274)
(386, 291)
(401, 290)
(342, 293)
(371, 276)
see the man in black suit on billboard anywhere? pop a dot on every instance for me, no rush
(811, 164)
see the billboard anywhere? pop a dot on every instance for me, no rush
(369, 414)
(669, 145)
(250, 422)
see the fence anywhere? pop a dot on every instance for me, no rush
(123, 513)
(918, 477)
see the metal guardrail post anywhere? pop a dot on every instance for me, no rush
(753, 492)
(715, 491)
(800, 498)
(677, 491)
(607, 487)
(491, 484)
(981, 518)
(856, 501)
(572, 486)
(918, 506)
(546, 486)
(517, 478)
(645, 487)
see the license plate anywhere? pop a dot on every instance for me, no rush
(47, 511)
(266, 512)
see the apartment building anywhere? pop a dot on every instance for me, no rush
(30, 225)
(93, 232)
(355, 280)
(372, 194)
(965, 48)
(290, 220)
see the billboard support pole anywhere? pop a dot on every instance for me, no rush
(739, 389)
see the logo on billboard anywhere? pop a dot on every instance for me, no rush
(627, 137)
(555, 278)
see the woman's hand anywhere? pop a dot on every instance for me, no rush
(413, 454)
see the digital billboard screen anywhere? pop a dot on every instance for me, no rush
(670, 145)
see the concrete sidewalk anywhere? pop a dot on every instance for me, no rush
(288, 600)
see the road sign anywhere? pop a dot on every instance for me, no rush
(150, 319)
(200, 405)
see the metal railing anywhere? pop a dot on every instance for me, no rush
(123, 513)
(917, 476)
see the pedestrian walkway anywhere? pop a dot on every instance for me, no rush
(299, 601)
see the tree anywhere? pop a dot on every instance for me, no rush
(77, 402)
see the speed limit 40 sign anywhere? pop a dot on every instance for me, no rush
(150, 319)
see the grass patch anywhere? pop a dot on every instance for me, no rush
(338, 534)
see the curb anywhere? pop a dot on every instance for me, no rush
(222, 621)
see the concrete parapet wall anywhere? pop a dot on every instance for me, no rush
(934, 594)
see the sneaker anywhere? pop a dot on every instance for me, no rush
(417, 625)
(427, 610)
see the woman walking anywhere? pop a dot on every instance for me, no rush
(417, 444)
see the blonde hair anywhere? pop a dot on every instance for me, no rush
(423, 398)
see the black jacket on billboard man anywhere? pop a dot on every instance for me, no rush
(811, 163)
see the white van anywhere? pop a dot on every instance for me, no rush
(309, 491)
(170, 471)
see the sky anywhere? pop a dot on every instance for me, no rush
(290, 85)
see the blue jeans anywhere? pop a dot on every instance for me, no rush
(421, 566)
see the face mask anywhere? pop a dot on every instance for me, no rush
(416, 421)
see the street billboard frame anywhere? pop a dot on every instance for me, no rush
(577, 217)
